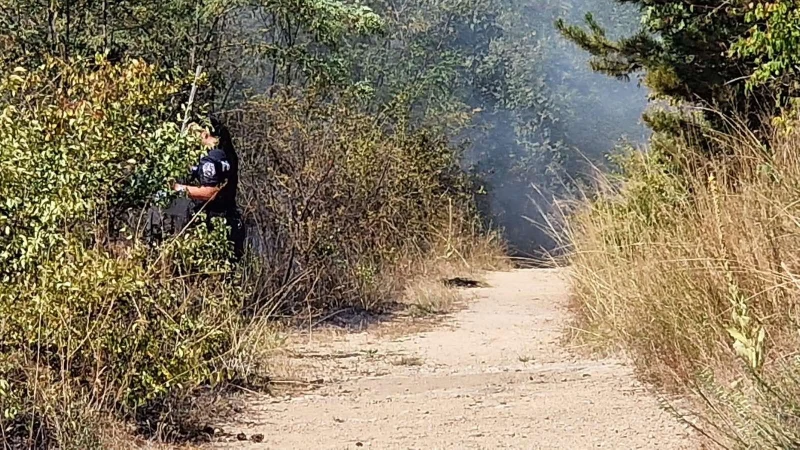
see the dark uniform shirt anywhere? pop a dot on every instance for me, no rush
(219, 168)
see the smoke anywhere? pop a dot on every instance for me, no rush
(557, 123)
(542, 120)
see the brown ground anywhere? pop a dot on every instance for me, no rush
(494, 375)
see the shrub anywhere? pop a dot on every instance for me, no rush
(96, 321)
(694, 272)
(337, 198)
(92, 319)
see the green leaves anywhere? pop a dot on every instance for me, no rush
(66, 148)
(83, 145)
(727, 54)
(772, 42)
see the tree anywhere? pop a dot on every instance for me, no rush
(243, 45)
(734, 56)
(497, 77)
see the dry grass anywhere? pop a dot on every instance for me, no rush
(427, 297)
(697, 276)
(460, 249)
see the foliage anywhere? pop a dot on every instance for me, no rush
(242, 44)
(342, 203)
(173, 31)
(492, 75)
(336, 201)
(737, 57)
(772, 42)
(296, 42)
(679, 48)
(489, 73)
(78, 150)
(91, 318)
(688, 265)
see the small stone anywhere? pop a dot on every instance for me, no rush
(257, 438)
(241, 437)
(359, 444)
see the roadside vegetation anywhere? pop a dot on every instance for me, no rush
(383, 144)
(100, 325)
(686, 257)
(356, 127)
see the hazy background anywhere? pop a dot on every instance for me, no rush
(532, 118)
(540, 120)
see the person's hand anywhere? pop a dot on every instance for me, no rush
(179, 188)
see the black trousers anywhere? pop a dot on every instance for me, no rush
(161, 224)
(236, 230)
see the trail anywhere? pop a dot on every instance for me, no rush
(494, 375)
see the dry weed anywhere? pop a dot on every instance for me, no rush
(427, 297)
(692, 268)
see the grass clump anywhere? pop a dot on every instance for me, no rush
(690, 264)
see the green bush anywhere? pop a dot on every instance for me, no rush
(91, 318)
(96, 320)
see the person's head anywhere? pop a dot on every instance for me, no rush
(208, 139)
(216, 135)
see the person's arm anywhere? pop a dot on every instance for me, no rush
(202, 193)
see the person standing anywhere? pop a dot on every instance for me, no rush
(217, 179)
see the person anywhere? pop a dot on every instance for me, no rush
(217, 176)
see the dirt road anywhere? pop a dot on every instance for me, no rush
(494, 375)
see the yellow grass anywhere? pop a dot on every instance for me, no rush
(693, 268)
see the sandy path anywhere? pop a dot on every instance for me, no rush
(493, 376)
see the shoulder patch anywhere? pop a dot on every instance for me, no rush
(209, 170)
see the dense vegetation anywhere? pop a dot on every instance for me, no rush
(686, 258)
(371, 135)
(377, 139)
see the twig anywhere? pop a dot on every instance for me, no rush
(297, 382)
(197, 74)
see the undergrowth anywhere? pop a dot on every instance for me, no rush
(689, 263)
(101, 324)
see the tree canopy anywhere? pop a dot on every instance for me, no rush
(737, 57)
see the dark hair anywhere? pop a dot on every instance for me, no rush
(220, 131)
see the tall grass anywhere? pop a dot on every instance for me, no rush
(691, 263)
